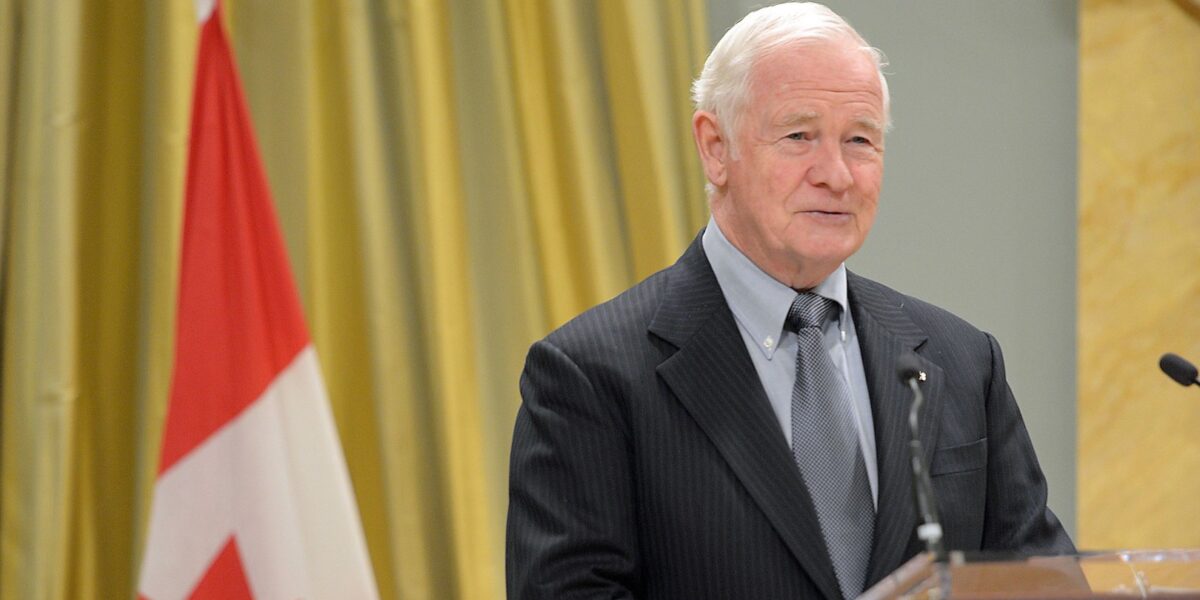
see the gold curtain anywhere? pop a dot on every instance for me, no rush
(454, 178)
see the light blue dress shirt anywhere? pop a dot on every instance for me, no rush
(760, 305)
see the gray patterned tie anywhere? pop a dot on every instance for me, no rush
(825, 446)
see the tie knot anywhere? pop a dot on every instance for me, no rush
(809, 310)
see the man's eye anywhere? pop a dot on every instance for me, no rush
(858, 139)
(798, 136)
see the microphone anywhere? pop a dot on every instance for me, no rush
(1178, 368)
(908, 367)
(930, 530)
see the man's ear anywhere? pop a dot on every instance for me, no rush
(712, 145)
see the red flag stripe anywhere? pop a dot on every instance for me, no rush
(225, 578)
(240, 321)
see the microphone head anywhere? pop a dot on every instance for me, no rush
(1178, 368)
(908, 367)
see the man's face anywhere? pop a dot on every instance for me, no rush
(802, 191)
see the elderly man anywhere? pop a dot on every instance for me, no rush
(733, 426)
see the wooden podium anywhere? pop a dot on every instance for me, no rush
(1123, 574)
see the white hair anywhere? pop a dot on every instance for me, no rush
(722, 86)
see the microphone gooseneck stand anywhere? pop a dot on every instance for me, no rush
(930, 529)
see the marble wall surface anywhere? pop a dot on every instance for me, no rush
(1138, 273)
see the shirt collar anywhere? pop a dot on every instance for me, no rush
(758, 301)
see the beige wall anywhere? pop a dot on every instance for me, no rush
(1139, 273)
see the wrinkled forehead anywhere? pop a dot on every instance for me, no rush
(843, 61)
(831, 65)
(842, 58)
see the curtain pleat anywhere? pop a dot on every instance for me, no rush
(41, 334)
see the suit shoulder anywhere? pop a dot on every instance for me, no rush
(613, 325)
(937, 322)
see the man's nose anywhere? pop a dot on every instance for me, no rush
(830, 169)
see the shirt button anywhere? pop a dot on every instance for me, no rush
(768, 342)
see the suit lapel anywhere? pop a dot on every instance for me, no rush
(715, 380)
(885, 332)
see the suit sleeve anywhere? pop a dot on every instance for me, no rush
(571, 523)
(1017, 517)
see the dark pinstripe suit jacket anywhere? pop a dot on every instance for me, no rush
(647, 463)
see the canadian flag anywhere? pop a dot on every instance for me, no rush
(252, 499)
